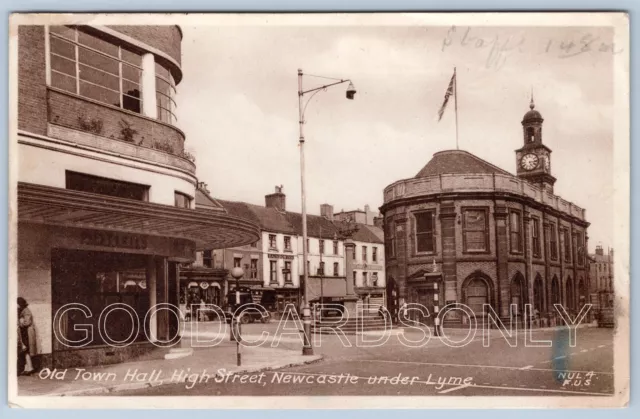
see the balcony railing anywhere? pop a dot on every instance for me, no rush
(415, 187)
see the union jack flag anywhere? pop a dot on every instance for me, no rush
(447, 95)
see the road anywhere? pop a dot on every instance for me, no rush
(435, 369)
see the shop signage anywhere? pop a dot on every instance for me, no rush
(276, 256)
(143, 284)
(204, 285)
(369, 267)
(111, 239)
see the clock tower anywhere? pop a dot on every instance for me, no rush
(533, 159)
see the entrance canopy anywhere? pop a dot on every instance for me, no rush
(67, 208)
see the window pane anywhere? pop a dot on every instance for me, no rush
(424, 222)
(425, 243)
(97, 43)
(131, 104)
(161, 71)
(474, 220)
(65, 31)
(162, 86)
(100, 78)
(60, 47)
(131, 57)
(100, 61)
(63, 65)
(63, 82)
(131, 73)
(130, 89)
(475, 240)
(99, 93)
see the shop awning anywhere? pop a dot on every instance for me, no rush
(68, 208)
(327, 287)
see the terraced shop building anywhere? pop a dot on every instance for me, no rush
(465, 231)
(105, 191)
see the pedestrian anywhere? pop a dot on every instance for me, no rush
(27, 335)
(22, 349)
(202, 307)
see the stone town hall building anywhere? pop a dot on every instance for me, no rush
(473, 233)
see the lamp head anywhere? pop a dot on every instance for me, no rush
(351, 91)
(237, 272)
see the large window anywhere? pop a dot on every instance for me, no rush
(336, 268)
(237, 262)
(287, 272)
(207, 258)
(86, 65)
(321, 247)
(425, 231)
(104, 186)
(165, 92)
(365, 279)
(515, 230)
(254, 269)
(475, 232)
(553, 242)
(182, 200)
(321, 269)
(374, 254)
(364, 253)
(335, 247)
(581, 251)
(390, 236)
(272, 242)
(535, 236)
(273, 271)
(287, 243)
(567, 245)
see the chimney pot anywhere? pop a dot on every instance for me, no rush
(326, 211)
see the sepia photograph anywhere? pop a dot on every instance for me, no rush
(319, 210)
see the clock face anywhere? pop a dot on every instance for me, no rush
(529, 161)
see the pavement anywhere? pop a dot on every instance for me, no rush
(192, 362)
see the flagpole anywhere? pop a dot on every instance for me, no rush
(455, 98)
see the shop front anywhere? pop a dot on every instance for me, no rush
(101, 274)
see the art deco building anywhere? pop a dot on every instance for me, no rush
(463, 230)
(105, 190)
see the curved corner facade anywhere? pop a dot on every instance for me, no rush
(466, 231)
(106, 191)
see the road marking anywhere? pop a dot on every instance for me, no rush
(436, 364)
(560, 357)
(601, 346)
(449, 390)
(584, 350)
(528, 367)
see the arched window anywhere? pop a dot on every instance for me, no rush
(531, 135)
(518, 294)
(555, 291)
(476, 294)
(538, 294)
(570, 301)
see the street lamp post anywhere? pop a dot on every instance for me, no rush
(307, 349)
(237, 273)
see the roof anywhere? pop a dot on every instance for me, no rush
(287, 222)
(458, 162)
(267, 218)
(205, 201)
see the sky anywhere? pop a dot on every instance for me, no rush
(238, 106)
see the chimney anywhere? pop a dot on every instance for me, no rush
(326, 211)
(203, 187)
(276, 200)
(599, 250)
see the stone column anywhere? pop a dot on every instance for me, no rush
(162, 285)
(401, 258)
(502, 254)
(546, 294)
(449, 273)
(528, 265)
(148, 86)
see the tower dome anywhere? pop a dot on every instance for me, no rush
(532, 115)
